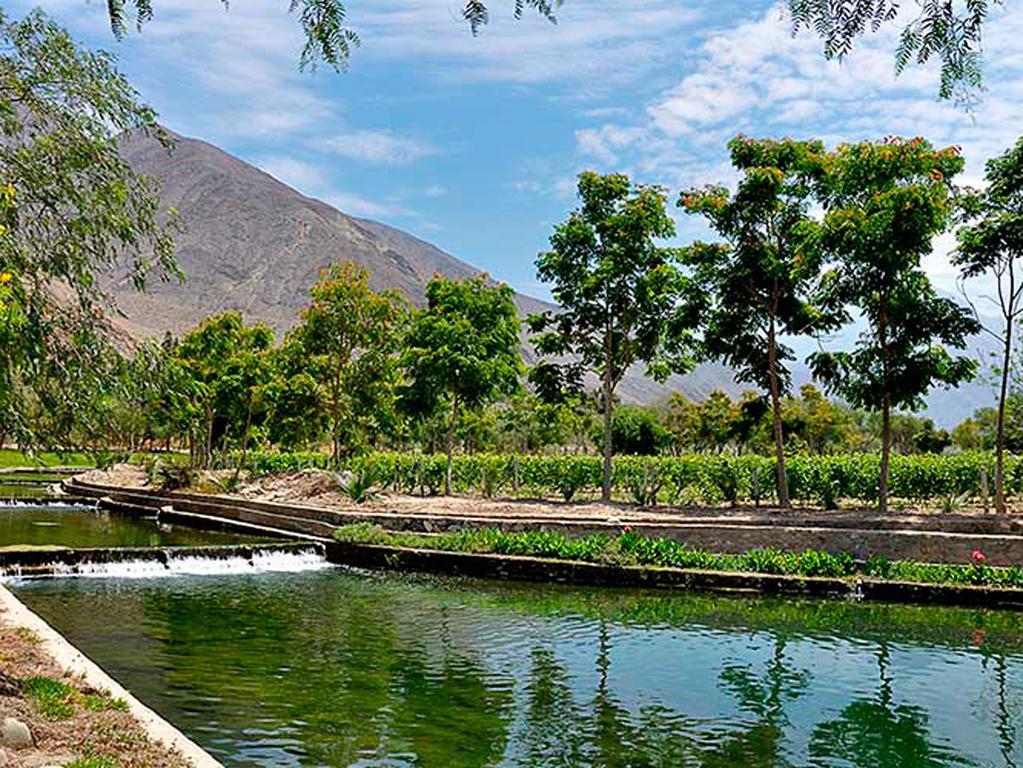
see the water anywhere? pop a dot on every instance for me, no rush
(343, 668)
(55, 524)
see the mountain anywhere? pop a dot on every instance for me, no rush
(254, 244)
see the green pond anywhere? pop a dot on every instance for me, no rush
(68, 525)
(343, 668)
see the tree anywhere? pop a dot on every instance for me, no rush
(349, 337)
(884, 203)
(70, 209)
(759, 284)
(636, 430)
(944, 30)
(991, 243)
(462, 351)
(619, 292)
(218, 357)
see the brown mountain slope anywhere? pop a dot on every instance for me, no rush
(254, 244)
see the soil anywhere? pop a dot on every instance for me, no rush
(87, 733)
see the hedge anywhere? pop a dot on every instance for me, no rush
(689, 479)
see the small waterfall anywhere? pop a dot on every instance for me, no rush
(49, 502)
(168, 563)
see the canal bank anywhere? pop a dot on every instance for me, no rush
(163, 745)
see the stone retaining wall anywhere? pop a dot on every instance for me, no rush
(573, 572)
(1001, 542)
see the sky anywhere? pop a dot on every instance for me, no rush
(474, 143)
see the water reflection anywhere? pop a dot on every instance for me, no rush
(346, 669)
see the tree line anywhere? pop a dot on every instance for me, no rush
(808, 238)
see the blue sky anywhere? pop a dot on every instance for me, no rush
(474, 143)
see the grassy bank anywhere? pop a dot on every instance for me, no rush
(10, 457)
(631, 549)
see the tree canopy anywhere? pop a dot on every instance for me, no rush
(622, 298)
(885, 202)
(758, 284)
(70, 209)
(462, 350)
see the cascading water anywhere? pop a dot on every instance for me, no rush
(169, 563)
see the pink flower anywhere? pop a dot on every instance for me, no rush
(627, 529)
(978, 557)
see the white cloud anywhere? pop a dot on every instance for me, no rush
(356, 205)
(378, 147)
(596, 44)
(434, 190)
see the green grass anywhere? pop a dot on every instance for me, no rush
(94, 762)
(631, 549)
(12, 458)
(58, 701)
(53, 699)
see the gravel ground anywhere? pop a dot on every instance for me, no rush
(79, 728)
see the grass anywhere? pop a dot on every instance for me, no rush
(10, 457)
(55, 700)
(94, 762)
(631, 549)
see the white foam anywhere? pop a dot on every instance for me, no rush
(189, 565)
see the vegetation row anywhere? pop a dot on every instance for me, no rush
(630, 549)
(691, 479)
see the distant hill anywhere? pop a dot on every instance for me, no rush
(254, 244)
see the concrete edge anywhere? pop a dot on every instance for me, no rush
(548, 570)
(74, 661)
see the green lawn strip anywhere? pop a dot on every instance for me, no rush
(631, 549)
(56, 700)
(94, 762)
(10, 457)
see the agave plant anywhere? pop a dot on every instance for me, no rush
(359, 486)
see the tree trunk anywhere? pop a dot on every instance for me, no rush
(1000, 431)
(451, 443)
(605, 490)
(886, 442)
(886, 406)
(779, 439)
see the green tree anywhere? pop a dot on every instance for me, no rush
(219, 357)
(948, 32)
(619, 292)
(636, 430)
(991, 243)
(760, 282)
(885, 201)
(349, 337)
(70, 209)
(462, 351)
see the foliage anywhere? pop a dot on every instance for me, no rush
(946, 31)
(759, 283)
(694, 477)
(636, 430)
(630, 548)
(884, 203)
(359, 486)
(619, 295)
(991, 243)
(70, 209)
(347, 343)
(224, 361)
(461, 350)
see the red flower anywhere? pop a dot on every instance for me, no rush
(978, 557)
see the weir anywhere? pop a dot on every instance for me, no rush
(160, 562)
